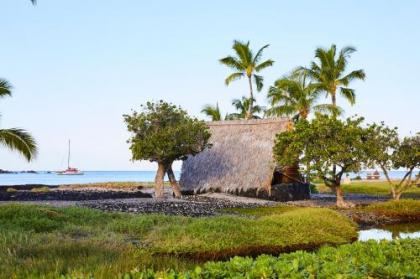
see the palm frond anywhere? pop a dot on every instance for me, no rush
(328, 109)
(259, 54)
(5, 88)
(212, 111)
(19, 140)
(263, 65)
(232, 62)
(349, 94)
(259, 81)
(354, 75)
(243, 51)
(233, 77)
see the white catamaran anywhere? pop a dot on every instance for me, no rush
(69, 170)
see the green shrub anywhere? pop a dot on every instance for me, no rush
(385, 259)
(11, 190)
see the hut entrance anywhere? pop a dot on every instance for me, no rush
(286, 175)
(277, 176)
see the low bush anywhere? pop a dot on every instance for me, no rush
(11, 190)
(385, 259)
(396, 208)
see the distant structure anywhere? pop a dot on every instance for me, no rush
(241, 162)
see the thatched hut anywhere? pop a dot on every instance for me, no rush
(241, 162)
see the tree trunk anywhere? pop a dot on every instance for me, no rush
(334, 101)
(175, 186)
(340, 197)
(160, 174)
(398, 196)
(251, 101)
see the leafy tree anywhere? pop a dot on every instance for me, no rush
(163, 133)
(327, 147)
(213, 112)
(295, 96)
(388, 152)
(15, 138)
(329, 73)
(243, 108)
(246, 64)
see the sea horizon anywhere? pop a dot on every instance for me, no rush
(52, 178)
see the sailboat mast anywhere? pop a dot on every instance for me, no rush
(68, 157)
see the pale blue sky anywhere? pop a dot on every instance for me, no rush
(77, 66)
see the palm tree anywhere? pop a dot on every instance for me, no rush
(329, 74)
(213, 112)
(295, 96)
(16, 139)
(243, 106)
(245, 63)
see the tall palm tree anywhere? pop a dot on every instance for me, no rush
(213, 112)
(295, 96)
(246, 64)
(329, 73)
(243, 106)
(16, 139)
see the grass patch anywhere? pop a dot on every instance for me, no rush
(375, 188)
(41, 241)
(385, 259)
(11, 190)
(261, 211)
(395, 208)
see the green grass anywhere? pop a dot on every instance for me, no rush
(40, 241)
(385, 259)
(376, 188)
(395, 208)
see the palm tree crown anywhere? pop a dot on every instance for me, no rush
(16, 139)
(246, 64)
(243, 106)
(329, 73)
(294, 96)
(213, 112)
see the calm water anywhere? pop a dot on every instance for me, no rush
(88, 177)
(389, 232)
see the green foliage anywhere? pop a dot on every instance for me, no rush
(16, 139)
(242, 108)
(328, 72)
(163, 132)
(36, 241)
(246, 64)
(213, 112)
(405, 208)
(388, 152)
(294, 96)
(385, 259)
(326, 145)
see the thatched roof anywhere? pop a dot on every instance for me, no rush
(240, 159)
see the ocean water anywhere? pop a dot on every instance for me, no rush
(46, 178)
(108, 176)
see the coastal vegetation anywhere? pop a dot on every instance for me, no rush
(16, 139)
(328, 72)
(358, 260)
(389, 152)
(246, 64)
(374, 188)
(163, 133)
(47, 242)
(245, 106)
(294, 96)
(327, 147)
